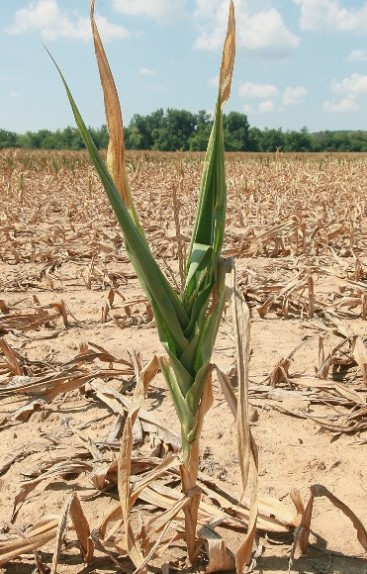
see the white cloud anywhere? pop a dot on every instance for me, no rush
(108, 30)
(350, 89)
(161, 10)
(247, 109)
(262, 32)
(357, 56)
(347, 104)
(266, 106)
(355, 85)
(332, 14)
(46, 17)
(257, 91)
(266, 33)
(293, 95)
(211, 19)
(146, 72)
(272, 98)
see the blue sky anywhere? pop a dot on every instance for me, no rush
(298, 63)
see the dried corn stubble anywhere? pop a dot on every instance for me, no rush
(148, 489)
(333, 266)
(107, 473)
(17, 318)
(153, 485)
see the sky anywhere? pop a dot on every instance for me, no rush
(299, 63)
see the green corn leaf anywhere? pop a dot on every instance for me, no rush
(210, 218)
(211, 326)
(200, 258)
(155, 284)
(193, 397)
(198, 308)
(184, 413)
(183, 376)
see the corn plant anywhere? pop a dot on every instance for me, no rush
(188, 321)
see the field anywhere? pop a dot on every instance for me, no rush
(76, 329)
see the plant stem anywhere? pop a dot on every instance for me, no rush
(189, 474)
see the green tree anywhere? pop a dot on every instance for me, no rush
(323, 141)
(272, 140)
(254, 139)
(176, 131)
(69, 138)
(358, 141)
(297, 141)
(236, 132)
(8, 139)
(100, 136)
(140, 134)
(199, 139)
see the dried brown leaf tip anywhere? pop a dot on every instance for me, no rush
(116, 146)
(228, 57)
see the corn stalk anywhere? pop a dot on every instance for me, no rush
(188, 322)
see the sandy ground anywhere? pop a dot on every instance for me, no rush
(296, 450)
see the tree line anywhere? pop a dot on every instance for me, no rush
(183, 130)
